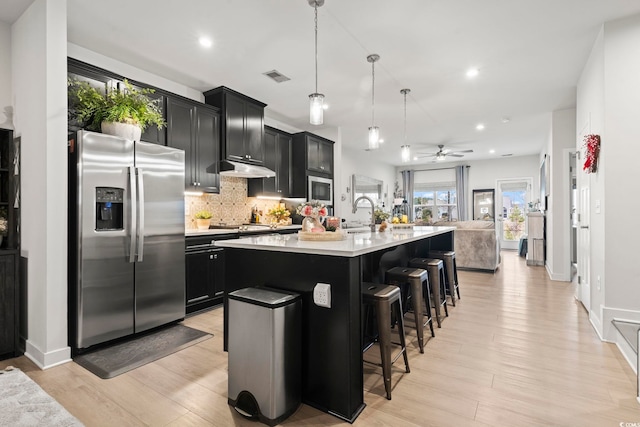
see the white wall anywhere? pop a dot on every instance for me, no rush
(621, 153)
(5, 73)
(563, 137)
(38, 46)
(590, 119)
(485, 173)
(608, 96)
(359, 162)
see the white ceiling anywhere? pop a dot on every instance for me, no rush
(529, 54)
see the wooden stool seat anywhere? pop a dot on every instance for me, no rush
(418, 281)
(384, 299)
(450, 271)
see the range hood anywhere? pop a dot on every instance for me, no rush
(243, 170)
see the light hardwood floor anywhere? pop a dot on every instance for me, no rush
(518, 350)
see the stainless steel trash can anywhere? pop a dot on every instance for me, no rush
(264, 353)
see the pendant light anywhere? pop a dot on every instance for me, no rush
(316, 100)
(405, 150)
(374, 131)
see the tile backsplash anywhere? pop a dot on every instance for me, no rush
(231, 206)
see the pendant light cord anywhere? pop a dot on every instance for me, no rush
(373, 92)
(405, 118)
(316, 45)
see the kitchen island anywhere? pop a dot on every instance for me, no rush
(331, 337)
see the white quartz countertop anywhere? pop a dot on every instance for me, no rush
(355, 244)
(259, 229)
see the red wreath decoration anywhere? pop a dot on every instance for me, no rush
(592, 150)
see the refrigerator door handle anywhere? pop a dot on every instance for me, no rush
(133, 229)
(140, 176)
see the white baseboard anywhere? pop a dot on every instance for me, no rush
(49, 359)
(627, 352)
(597, 326)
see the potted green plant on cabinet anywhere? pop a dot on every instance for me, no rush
(123, 112)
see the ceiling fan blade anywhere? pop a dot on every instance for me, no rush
(455, 155)
(462, 151)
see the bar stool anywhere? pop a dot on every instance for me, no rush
(435, 267)
(418, 281)
(384, 299)
(450, 270)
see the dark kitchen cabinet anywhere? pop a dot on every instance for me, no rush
(8, 306)
(242, 125)
(277, 157)
(194, 128)
(311, 155)
(9, 248)
(319, 154)
(205, 275)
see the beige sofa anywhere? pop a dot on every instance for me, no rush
(475, 244)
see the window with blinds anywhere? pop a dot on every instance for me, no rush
(434, 196)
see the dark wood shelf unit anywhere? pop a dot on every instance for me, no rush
(10, 302)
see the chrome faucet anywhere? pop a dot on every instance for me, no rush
(372, 226)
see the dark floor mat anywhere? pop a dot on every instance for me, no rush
(122, 357)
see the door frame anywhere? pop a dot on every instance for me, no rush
(498, 204)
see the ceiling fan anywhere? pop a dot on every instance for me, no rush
(442, 153)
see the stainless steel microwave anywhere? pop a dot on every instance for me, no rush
(320, 189)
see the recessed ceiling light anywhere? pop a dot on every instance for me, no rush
(381, 141)
(479, 126)
(472, 72)
(325, 106)
(205, 41)
(415, 157)
(492, 151)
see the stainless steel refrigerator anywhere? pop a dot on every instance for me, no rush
(126, 226)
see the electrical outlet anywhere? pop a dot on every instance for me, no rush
(322, 295)
(598, 281)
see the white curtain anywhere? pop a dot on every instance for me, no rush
(407, 190)
(462, 185)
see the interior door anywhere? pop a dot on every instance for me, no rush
(584, 250)
(511, 207)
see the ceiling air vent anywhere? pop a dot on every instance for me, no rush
(276, 76)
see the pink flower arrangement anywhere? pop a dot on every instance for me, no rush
(591, 152)
(313, 209)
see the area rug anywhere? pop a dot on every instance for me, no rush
(122, 357)
(24, 403)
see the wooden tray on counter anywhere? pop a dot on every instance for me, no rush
(326, 236)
